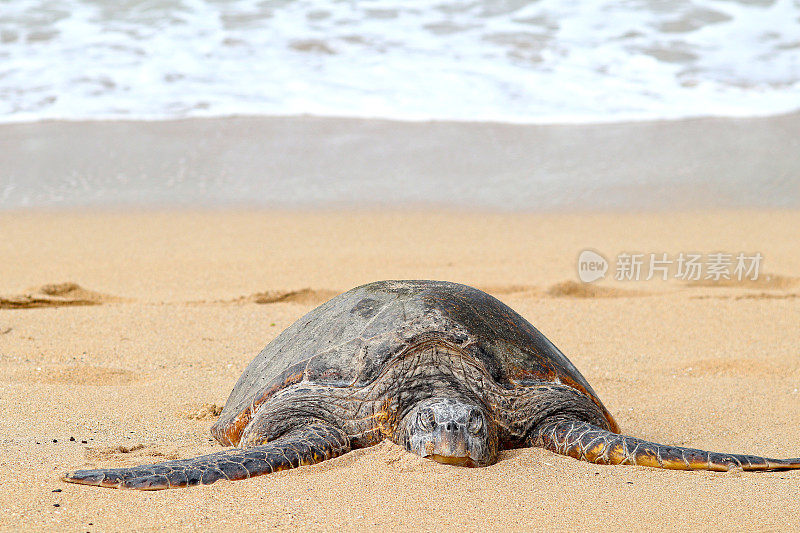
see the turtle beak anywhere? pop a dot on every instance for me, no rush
(450, 446)
(450, 460)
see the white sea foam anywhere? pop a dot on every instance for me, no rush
(504, 60)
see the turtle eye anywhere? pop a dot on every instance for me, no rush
(426, 419)
(475, 425)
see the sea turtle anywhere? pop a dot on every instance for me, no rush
(442, 369)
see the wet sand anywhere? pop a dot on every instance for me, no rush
(307, 162)
(126, 332)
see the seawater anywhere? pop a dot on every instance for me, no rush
(495, 60)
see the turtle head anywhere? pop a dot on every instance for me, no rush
(450, 431)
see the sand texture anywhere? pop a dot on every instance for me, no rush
(121, 336)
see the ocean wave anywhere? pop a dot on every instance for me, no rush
(500, 60)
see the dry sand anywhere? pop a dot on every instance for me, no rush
(168, 307)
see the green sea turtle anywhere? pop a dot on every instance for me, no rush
(442, 369)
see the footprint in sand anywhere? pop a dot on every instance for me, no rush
(776, 283)
(305, 296)
(764, 281)
(749, 296)
(56, 295)
(205, 411)
(505, 290)
(302, 296)
(75, 375)
(574, 289)
(116, 453)
(766, 296)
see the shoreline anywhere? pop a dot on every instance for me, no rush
(315, 162)
(587, 121)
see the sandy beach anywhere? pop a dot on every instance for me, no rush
(122, 333)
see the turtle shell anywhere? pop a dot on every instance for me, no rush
(348, 340)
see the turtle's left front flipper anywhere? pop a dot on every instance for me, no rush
(308, 445)
(596, 445)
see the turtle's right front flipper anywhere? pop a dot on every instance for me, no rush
(304, 446)
(584, 441)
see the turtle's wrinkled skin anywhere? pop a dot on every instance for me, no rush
(444, 370)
